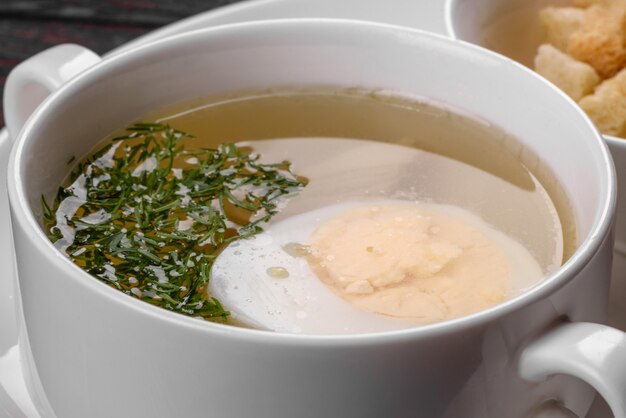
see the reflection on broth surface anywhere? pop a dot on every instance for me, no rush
(315, 150)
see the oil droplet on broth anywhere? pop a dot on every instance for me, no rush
(295, 249)
(277, 272)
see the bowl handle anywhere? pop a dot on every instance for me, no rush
(35, 78)
(594, 353)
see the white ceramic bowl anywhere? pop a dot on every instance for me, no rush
(95, 352)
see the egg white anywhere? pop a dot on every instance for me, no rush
(301, 303)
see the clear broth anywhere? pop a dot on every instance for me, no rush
(459, 160)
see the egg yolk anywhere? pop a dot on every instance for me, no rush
(411, 263)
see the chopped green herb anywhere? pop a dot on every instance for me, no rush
(147, 216)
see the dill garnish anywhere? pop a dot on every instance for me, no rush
(148, 216)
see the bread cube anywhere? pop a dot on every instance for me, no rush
(560, 23)
(600, 40)
(575, 78)
(607, 105)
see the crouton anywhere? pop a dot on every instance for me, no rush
(600, 40)
(575, 78)
(560, 23)
(607, 105)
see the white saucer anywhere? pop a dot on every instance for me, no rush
(15, 401)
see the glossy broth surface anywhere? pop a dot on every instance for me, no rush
(453, 159)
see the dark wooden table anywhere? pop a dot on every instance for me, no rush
(30, 26)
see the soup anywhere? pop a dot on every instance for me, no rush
(261, 202)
